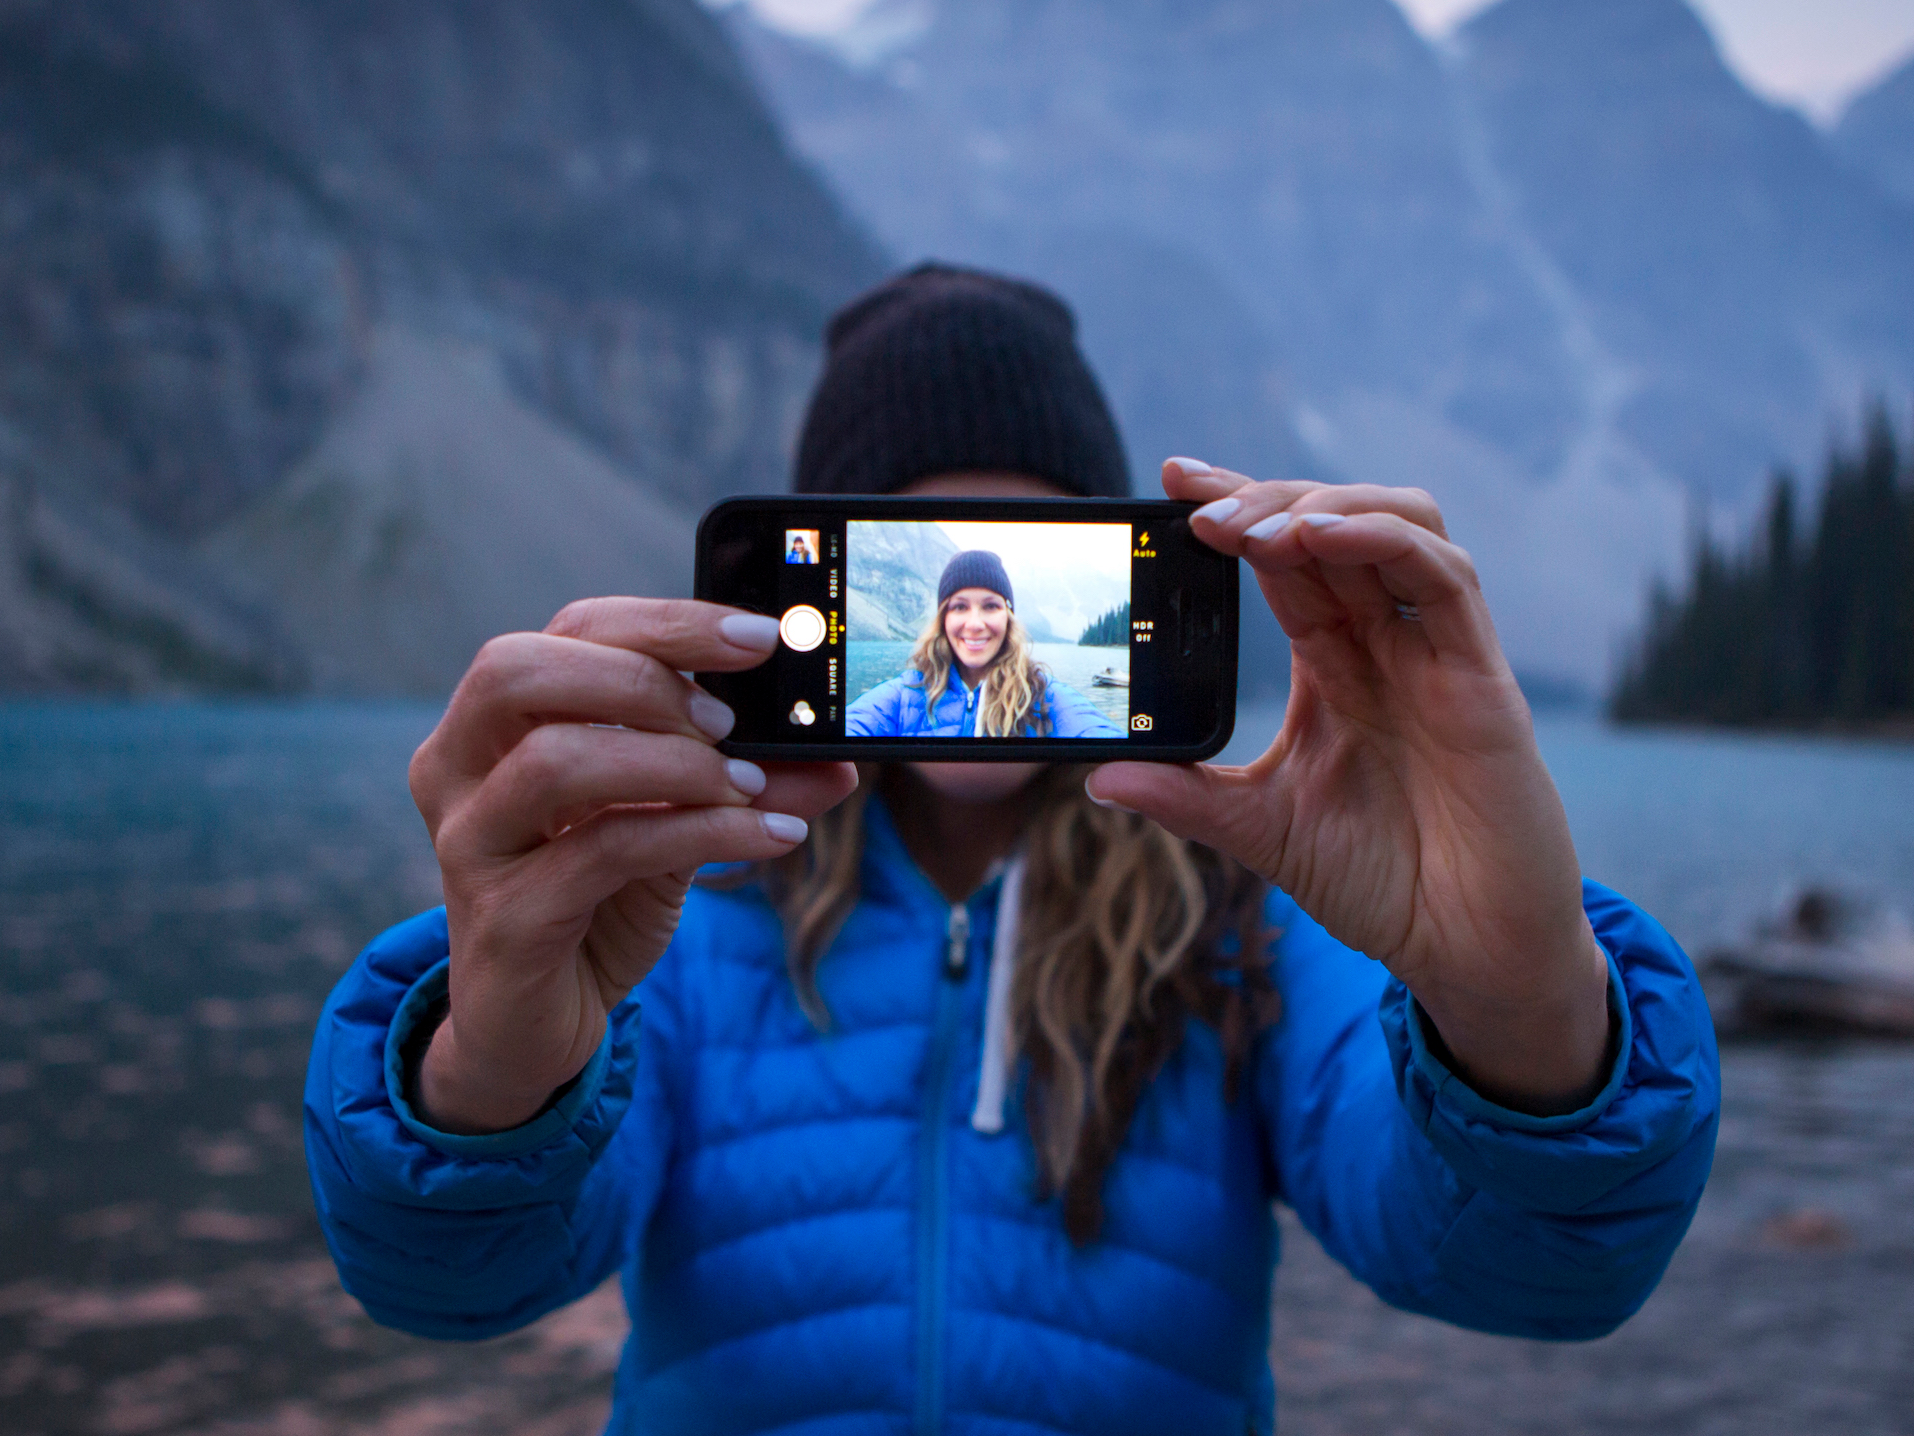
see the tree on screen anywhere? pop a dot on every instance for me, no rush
(1112, 630)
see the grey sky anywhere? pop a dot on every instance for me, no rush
(1812, 53)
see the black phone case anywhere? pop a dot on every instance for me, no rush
(972, 750)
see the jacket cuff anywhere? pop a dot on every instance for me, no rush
(423, 1000)
(1663, 1085)
(1441, 1088)
(366, 1144)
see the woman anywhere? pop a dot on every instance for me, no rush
(962, 1107)
(972, 675)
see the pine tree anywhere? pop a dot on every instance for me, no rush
(1112, 630)
(1789, 633)
(1784, 681)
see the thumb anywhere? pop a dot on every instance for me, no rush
(1220, 807)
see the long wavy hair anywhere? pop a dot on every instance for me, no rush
(1013, 685)
(1126, 933)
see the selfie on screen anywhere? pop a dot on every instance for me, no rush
(939, 644)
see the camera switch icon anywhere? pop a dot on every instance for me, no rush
(1142, 723)
(802, 628)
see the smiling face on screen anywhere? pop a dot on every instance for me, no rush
(975, 621)
(978, 782)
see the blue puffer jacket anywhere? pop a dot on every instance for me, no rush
(815, 1239)
(896, 709)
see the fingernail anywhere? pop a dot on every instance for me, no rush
(747, 778)
(1267, 528)
(1106, 803)
(1325, 521)
(1192, 468)
(1217, 512)
(709, 716)
(750, 630)
(783, 828)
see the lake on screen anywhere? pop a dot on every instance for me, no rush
(180, 885)
(868, 664)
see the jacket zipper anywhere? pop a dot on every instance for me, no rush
(957, 943)
(933, 1196)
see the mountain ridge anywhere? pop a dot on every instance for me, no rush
(1876, 133)
(1724, 252)
(218, 214)
(1391, 270)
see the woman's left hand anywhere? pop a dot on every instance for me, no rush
(1404, 805)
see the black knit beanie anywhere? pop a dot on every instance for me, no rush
(975, 568)
(944, 370)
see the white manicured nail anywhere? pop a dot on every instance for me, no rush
(1218, 512)
(709, 716)
(1325, 521)
(1267, 528)
(1193, 468)
(784, 828)
(747, 778)
(1106, 803)
(750, 630)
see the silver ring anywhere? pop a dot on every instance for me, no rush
(1409, 611)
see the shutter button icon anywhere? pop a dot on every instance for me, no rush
(802, 628)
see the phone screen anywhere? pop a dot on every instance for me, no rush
(975, 628)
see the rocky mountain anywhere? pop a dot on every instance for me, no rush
(1876, 134)
(507, 292)
(1303, 240)
(1752, 283)
(335, 335)
(88, 601)
(433, 488)
(891, 572)
(1178, 172)
(1273, 186)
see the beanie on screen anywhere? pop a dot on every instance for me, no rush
(975, 568)
(944, 370)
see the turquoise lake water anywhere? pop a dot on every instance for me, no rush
(868, 664)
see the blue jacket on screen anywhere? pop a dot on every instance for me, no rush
(896, 709)
(814, 1239)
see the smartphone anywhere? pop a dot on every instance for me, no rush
(1061, 630)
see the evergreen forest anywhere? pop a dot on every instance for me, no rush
(1112, 630)
(1811, 624)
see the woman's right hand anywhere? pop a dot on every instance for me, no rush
(572, 790)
